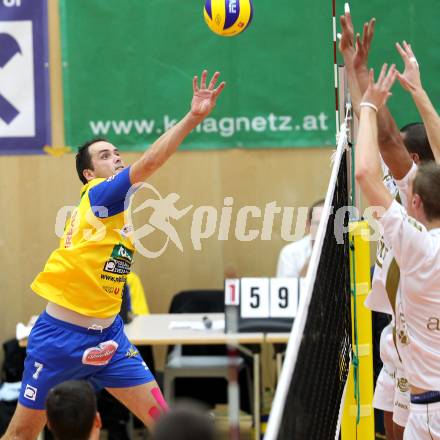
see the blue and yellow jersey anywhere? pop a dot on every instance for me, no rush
(88, 271)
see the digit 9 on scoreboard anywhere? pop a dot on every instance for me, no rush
(268, 297)
(283, 297)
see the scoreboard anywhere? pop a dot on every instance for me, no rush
(262, 304)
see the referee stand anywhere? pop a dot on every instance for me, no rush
(358, 414)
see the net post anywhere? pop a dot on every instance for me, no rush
(360, 403)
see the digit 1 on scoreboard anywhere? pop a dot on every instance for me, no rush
(232, 292)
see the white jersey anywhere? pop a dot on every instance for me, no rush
(385, 277)
(417, 252)
(403, 185)
(386, 271)
(388, 352)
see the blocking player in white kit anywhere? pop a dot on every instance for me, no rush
(414, 237)
(399, 150)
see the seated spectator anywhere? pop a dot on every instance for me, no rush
(71, 411)
(294, 258)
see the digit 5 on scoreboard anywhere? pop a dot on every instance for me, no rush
(254, 298)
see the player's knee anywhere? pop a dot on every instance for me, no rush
(24, 426)
(20, 432)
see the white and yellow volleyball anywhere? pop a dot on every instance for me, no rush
(228, 17)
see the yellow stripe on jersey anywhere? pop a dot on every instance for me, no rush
(88, 271)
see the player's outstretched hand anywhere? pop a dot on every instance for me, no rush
(355, 50)
(346, 43)
(379, 92)
(410, 78)
(204, 98)
(362, 47)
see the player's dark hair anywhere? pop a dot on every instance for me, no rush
(71, 410)
(416, 140)
(315, 205)
(185, 422)
(83, 158)
(427, 185)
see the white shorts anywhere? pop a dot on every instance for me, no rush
(423, 422)
(392, 394)
(385, 387)
(401, 399)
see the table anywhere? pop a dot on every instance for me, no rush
(155, 329)
(277, 338)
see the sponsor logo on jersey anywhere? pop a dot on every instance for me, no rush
(120, 252)
(132, 352)
(119, 261)
(402, 332)
(30, 392)
(402, 384)
(72, 226)
(126, 231)
(433, 324)
(112, 289)
(101, 354)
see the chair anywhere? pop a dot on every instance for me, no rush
(197, 363)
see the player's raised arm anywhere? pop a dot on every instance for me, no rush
(368, 164)
(347, 49)
(355, 50)
(392, 148)
(203, 101)
(410, 81)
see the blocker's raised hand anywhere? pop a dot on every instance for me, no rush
(346, 43)
(379, 92)
(204, 98)
(360, 58)
(410, 78)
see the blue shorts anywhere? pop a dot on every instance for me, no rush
(58, 351)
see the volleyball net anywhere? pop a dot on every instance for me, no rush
(311, 386)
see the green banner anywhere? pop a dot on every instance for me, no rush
(128, 69)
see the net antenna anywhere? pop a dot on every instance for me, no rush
(311, 386)
(342, 94)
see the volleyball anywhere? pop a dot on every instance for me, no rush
(228, 17)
